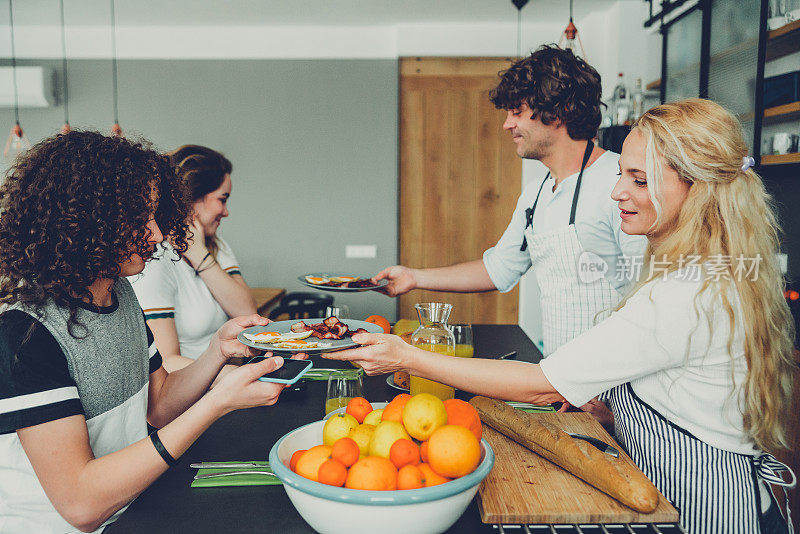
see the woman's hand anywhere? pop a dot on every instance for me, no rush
(380, 353)
(599, 411)
(196, 243)
(241, 388)
(226, 342)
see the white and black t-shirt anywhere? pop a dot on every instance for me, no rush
(46, 374)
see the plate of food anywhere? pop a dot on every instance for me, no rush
(312, 336)
(340, 282)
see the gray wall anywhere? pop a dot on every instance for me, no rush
(313, 145)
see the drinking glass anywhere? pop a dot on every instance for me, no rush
(343, 385)
(340, 312)
(463, 337)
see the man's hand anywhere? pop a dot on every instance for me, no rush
(401, 280)
(380, 353)
(227, 344)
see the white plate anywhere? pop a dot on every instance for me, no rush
(285, 326)
(390, 381)
(302, 280)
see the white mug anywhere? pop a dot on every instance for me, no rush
(781, 143)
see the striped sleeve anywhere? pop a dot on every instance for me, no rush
(35, 384)
(156, 287)
(227, 259)
(152, 350)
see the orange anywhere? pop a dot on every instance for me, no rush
(423, 451)
(345, 451)
(381, 321)
(431, 477)
(462, 413)
(372, 473)
(394, 410)
(453, 451)
(295, 456)
(332, 473)
(309, 463)
(359, 407)
(409, 477)
(404, 452)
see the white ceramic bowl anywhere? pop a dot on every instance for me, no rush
(332, 510)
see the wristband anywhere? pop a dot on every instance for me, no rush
(207, 267)
(167, 457)
(198, 269)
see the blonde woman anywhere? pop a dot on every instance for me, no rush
(696, 361)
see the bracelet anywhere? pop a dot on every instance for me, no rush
(200, 265)
(210, 265)
(167, 457)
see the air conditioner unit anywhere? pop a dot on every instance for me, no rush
(35, 87)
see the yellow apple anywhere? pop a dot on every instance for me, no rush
(386, 433)
(361, 435)
(422, 414)
(374, 417)
(338, 426)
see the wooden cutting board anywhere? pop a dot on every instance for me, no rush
(523, 487)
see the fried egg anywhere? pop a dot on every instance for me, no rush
(342, 279)
(298, 344)
(317, 280)
(276, 337)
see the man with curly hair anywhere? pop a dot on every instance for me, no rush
(565, 226)
(80, 374)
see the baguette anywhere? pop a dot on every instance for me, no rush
(613, 476)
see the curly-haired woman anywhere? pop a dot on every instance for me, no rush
(697, 359)
(79, 371)
(186, 301)
(563, 219)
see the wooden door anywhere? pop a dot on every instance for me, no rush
(459, 177)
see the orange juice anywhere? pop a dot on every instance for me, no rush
(464, 351)
(423, 385)
(338, 402)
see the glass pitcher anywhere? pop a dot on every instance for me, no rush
(433, 335)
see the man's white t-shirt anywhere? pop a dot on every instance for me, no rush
(597, 223)
(171, 289)
(672, 346)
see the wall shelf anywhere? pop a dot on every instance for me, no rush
(780, 159)
(783, 41)
(784, 113)
(655, 85)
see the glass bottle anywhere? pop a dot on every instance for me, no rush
(621, 103)
(433, 335)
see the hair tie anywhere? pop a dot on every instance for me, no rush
(748, 162)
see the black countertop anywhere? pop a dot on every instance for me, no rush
(171, 505)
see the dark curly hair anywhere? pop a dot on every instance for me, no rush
(557, 86)
(74, 208)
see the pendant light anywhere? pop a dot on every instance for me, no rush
(115, 129)
(17, 142)
(570, 35)
(66, 128)
(519, 4)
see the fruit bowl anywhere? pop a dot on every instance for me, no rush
(335, 510)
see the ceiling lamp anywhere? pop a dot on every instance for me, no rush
(17, 140)
(66, 128)
(570, 35)
(115, 130)
(519, 4)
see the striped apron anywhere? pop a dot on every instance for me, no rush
(571, 303)
(714, 490)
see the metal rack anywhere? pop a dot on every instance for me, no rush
(643, 528)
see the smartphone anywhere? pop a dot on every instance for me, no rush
(290, 372)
